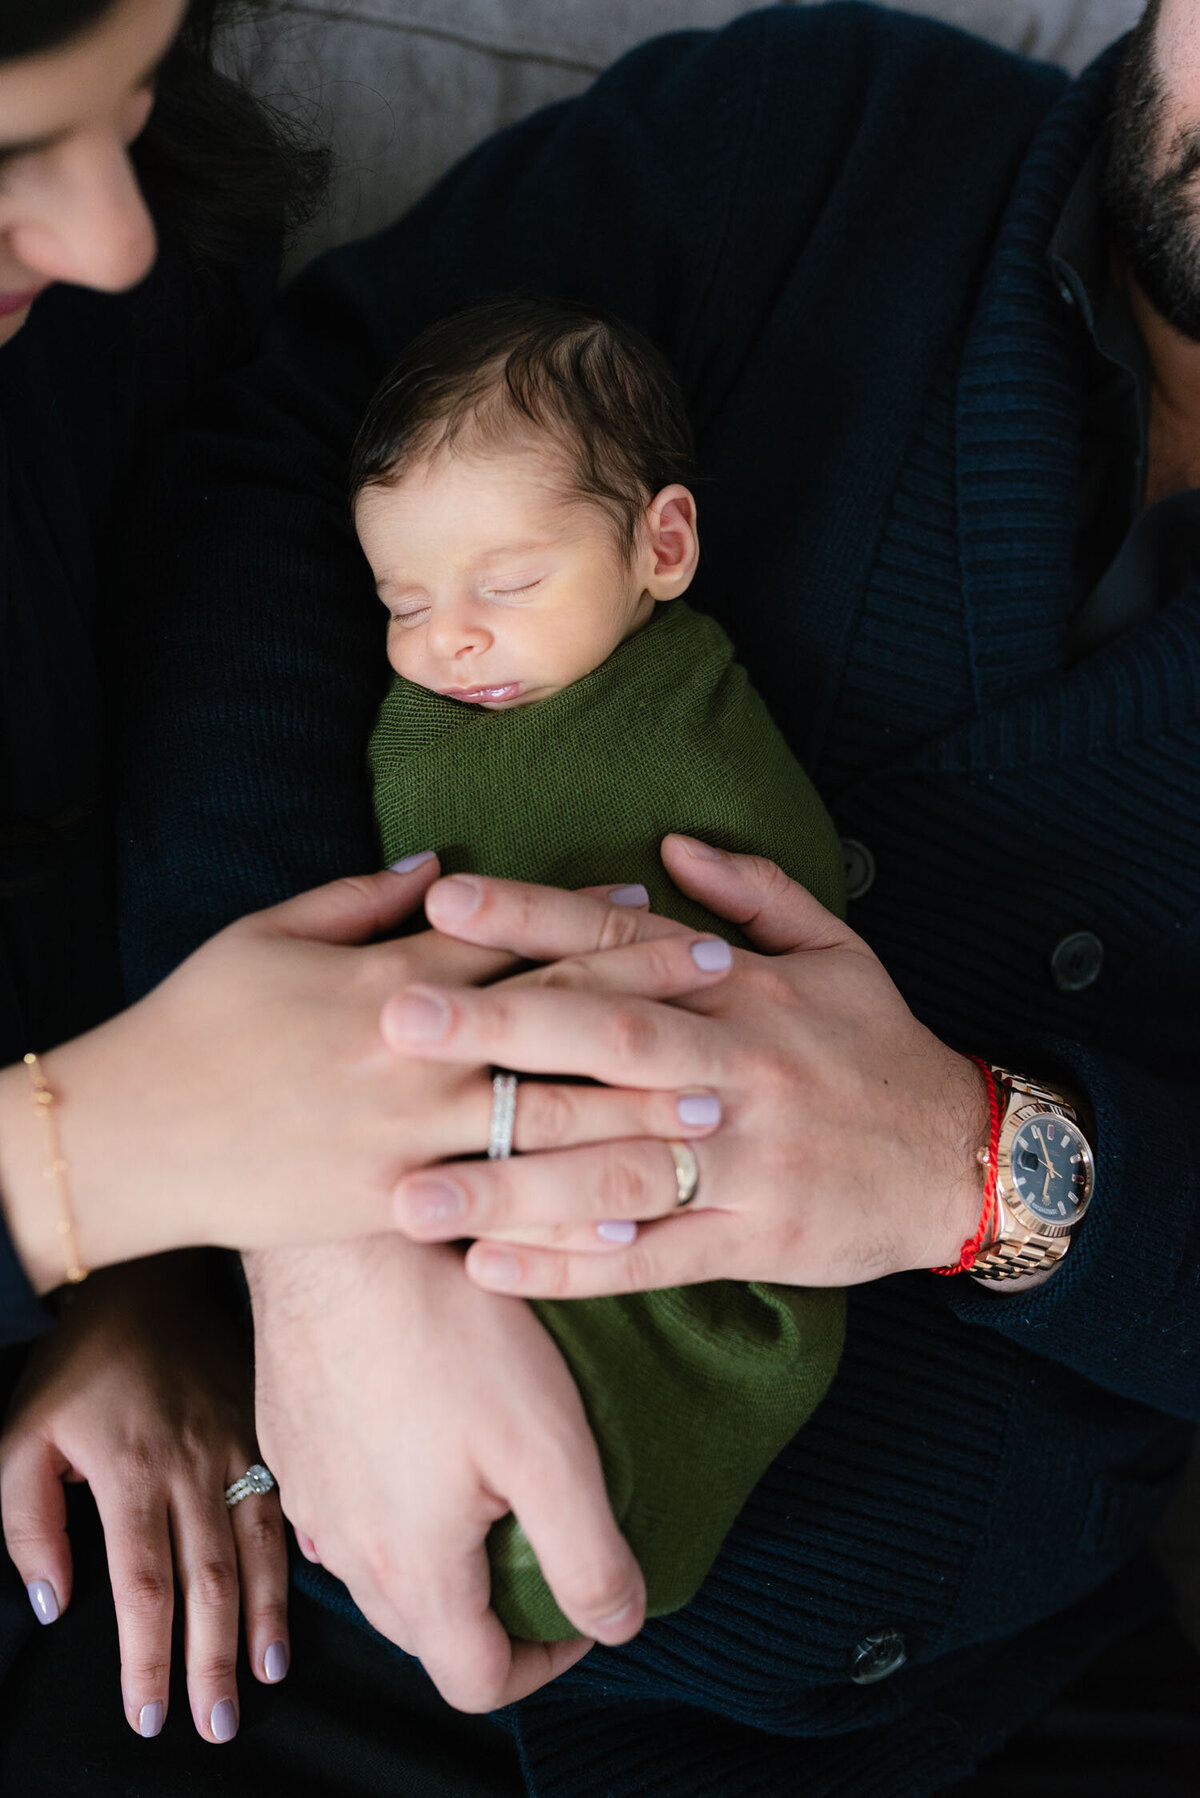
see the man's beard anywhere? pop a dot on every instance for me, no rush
(1154, 217)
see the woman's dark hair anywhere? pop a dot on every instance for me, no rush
(588, 381)
(218, 167)
(222, 173)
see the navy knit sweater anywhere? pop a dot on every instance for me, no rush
(835, 222)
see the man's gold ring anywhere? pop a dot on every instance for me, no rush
(687, 1173)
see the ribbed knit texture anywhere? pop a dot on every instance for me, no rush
(580, 789)
(690, 1393)
(968, 758)
(828, 218)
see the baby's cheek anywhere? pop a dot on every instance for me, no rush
(400, 654)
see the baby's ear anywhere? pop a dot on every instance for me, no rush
(670, 543)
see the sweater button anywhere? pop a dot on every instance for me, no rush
(1076, 961)
(878, 1655)
(858, 866)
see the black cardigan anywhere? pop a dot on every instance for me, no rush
(86, 388)
(835, 221)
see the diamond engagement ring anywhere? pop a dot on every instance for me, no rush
(255, 1481)
(687, 1172)
(504, 1113)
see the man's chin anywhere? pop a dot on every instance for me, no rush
(1167, 269)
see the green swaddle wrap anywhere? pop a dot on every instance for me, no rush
(691, 1392)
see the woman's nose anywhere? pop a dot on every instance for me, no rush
(84, 220)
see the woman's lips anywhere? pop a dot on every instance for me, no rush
(17, 302)
(482, 695)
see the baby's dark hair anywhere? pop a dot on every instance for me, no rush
(588, 380)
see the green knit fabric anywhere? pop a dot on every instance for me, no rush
(691, 1392)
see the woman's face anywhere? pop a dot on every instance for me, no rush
(70, 209)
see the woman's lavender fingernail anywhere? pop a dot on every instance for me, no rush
(415, 1017)
(150, 1720)
(42, 1598)
(409, 862)
(276, 1662)
(223, 1721)
(617, 1231)
(712, 955)
(698, 1109)
(633, 895)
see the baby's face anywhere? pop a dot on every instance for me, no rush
(500, 591)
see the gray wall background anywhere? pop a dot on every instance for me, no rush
(403, 88)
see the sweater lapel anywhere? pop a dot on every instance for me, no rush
(1019, 419)
(1019, 413)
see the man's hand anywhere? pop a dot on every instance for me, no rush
(252, 1102)
(849, 1136)
(403, 1411)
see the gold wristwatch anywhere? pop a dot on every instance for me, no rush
(1045, 1176)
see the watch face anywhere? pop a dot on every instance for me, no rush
(1051, 1168)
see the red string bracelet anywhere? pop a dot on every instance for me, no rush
(971, 1248)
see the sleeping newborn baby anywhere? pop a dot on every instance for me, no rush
(557, 709)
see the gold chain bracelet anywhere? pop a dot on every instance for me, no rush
(45, 1103)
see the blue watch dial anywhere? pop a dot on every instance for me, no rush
(1051, 1168)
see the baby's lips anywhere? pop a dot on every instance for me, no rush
(491, 695)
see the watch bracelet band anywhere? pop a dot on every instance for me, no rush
(1035, 1090)
(1012, 1261)
(1001, 1261)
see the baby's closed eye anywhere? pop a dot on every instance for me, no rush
(506, 592)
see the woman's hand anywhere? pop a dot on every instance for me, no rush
(143, 1391)
(849, 1136)
(251, 1101)
(403, 1411)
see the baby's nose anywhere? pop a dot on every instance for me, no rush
(457, 637)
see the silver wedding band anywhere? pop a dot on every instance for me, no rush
(254, 1482)
(504, 1115)
(687, 1172)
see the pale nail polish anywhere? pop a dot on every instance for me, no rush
(703, 851)
(150, 1720)
(617, 1231)
(415, 1018)
(408, 862)
(631, 895)
(223, 1721)
(712, 955)
(698, 1109)
(431, 1201)
(457, 898)
(43, 1600)
(276, 1662)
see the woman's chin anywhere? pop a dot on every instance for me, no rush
(11, 322)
